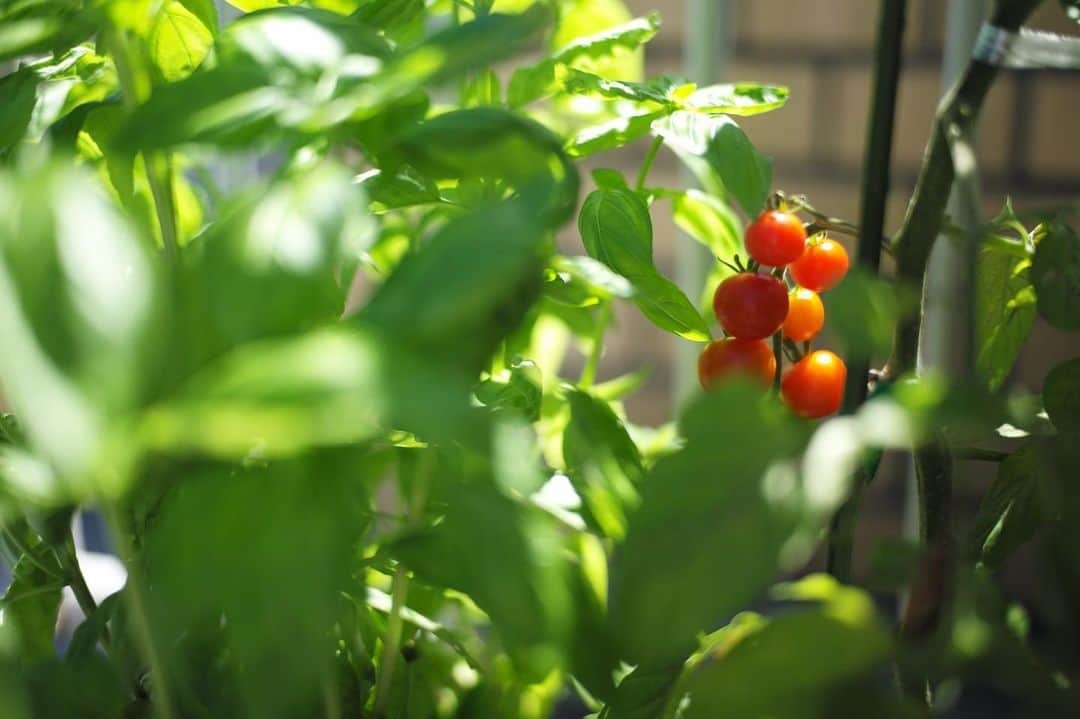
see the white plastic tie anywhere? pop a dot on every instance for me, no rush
(1027, 49)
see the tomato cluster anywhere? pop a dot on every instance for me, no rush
(752, 305)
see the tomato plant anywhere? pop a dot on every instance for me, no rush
(283, 310)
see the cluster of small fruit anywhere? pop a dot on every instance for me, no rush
(752, 305)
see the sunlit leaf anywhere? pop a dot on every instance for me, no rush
(602, 462)
(1004, 312)
(726, 150)
(1055, 272)
(709, 221)
(616, 229)
(181, 37)
(744, 98)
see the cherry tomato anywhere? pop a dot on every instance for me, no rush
(775, 238)
(751, 306)
(805, 315)
(814, 386)
(821, 266)
(729, 357)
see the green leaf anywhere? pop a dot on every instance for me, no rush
(668, 308)
(181, 36)
(657, 91)
(487, 268)
(537, 81)
(1004, 312)
(484, 143)
(744, 98)
(584, 282)
(507, 558)
(584, 18)
(612, 134)
(19, 90)
(756, 673)
(616, 229)
(31, 603)
(85, 638)
(542, 79)
(1010, 513)
(331, 387)
(602, 462)
(390, 15)
(280, 260)
(1055, 272)
(708, 220)
(642, 694)
(78, 313)
(1061, 396)
(518, 390)
(710, 496)
(392, 191)
(211, 603)
(42, 28)
(725, 149)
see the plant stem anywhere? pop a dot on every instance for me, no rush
(392, 642)
(158, 164)
(888, 58)
(399, 589)
(778, 355)
(647, 164)
(161, 693)
(69, 560)
(592, 362)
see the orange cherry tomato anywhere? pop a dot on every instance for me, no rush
(822, 265)
(729, 357)
(775, 238)
(751, 306)
(814, 386)
(805, 315)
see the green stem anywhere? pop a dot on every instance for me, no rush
(69, 560)
(24, 551)
(392, 643)
(161, 693)
(778, 354)
(647, 164)
(592, 362)
(877, 160)
(399, 590)
(158, 164)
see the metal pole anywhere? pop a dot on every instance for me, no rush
(946, 342)
(707, 53)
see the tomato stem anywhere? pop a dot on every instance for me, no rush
(778, 354)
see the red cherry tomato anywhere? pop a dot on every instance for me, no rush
(805, 315)
(729, 357)
(751, 306)
(775, 238)
(821, 266)
(814, 386)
